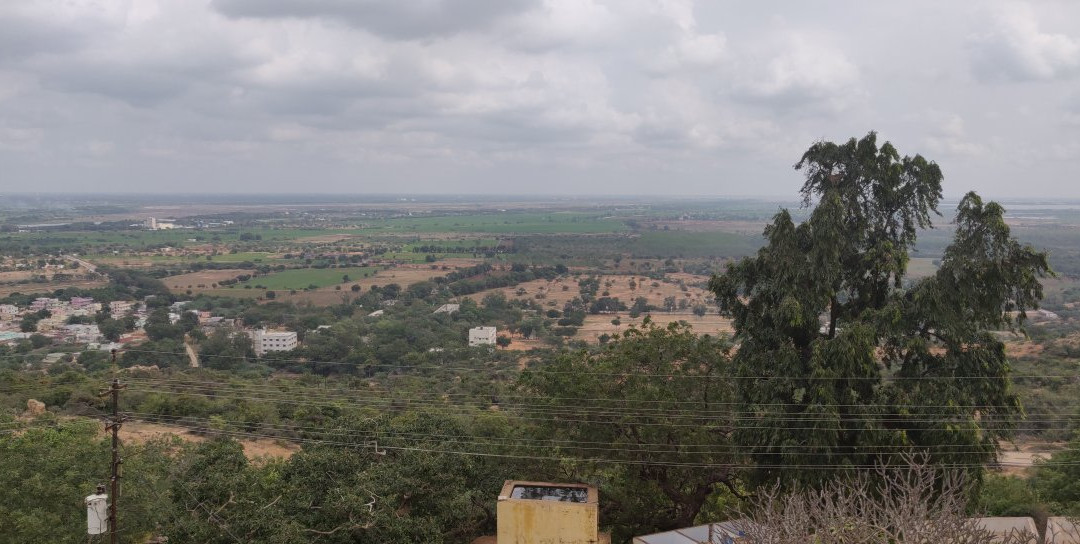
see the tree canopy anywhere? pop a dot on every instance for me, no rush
(655, 401)
(842, 358)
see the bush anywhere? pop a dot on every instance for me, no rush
(1007, 496)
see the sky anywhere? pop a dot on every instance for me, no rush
(574, 97)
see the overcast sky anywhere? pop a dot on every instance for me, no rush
(529, 96)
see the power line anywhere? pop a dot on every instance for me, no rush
(359, 399)
(557, 443)
(579, 372)
(465, 411)
(524, 457)
(439, 395)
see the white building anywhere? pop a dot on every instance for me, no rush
(447, 309)
(266, 341)
(482, 336)
(83, 334)
(165, 224)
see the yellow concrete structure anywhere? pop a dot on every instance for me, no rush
(547, 513)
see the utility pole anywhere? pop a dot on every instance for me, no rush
(114, 482)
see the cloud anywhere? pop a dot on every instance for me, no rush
(393, 19)
(657, 96)
(1070, 114)
(801, 72)
(1014, 48)
(949, 137)
(20, 138)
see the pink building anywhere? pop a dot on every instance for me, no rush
(81, 302)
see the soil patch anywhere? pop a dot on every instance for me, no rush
(141, 431)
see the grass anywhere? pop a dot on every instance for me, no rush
(685, 244)
(302, 278)
(175, 238)
(240, 257)
(510, 223)
(415, 258)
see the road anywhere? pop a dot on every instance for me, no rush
(82, 263)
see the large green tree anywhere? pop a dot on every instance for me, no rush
(842, 358)
(647, 419)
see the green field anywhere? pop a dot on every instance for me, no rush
(240, 257)
(302, 278)
(136, 239)
(416, 258)
(685, 244)
(533, 223)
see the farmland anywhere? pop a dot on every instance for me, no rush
(510, 223)
(309, 278)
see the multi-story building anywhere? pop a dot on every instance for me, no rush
(266, 341)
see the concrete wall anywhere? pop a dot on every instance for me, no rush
(527, 521)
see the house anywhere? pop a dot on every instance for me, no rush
(83, 334)
(81, 302)
(376, 313)
(104, 347)
(120, 307)
(482, 336)
(447, 309)
(53, 358)
(1044, 315)
(267, 341)
(44, 303)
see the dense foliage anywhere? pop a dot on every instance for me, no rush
(841, 363)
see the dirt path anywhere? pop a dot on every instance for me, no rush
(194, 357)
(1017, 458)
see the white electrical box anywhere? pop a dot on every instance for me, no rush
(97, 514)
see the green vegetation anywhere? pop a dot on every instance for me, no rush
(914, 367)
(303, 278)
(556, 222)
(682, 244)
(863, 335)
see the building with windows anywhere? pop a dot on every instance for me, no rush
(266, 341)
(482, 336)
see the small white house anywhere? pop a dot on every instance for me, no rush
(482, 336)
